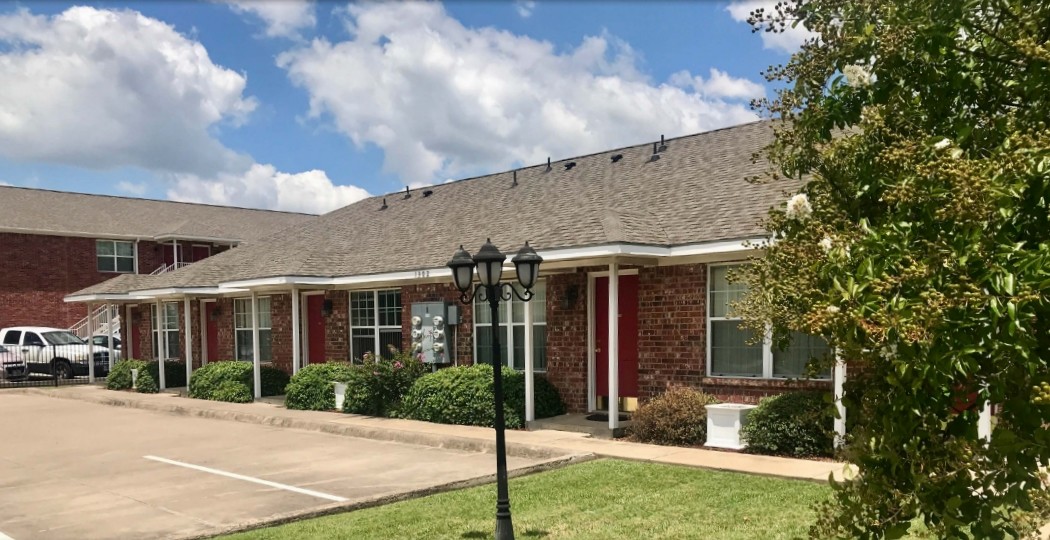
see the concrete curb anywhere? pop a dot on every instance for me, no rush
(339, 508)
(451, 442)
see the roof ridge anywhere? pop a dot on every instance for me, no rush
(164, 201)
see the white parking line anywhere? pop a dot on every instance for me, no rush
(309, 492)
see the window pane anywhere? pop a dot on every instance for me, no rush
(106, 264)
(171, 316)
(362, 340)
(125, 249)
(173, 344)
(389, 308)
(264, 312)
(483, 339)
(518, 354)
(792, 361)
(539, 302)
(362, 309)
(388, 338)
(724, 293)
(539, 347)
(241, 314)
(265, 346)
(517, 307)
(244, 344)
(103, 248)
(731, 354)
(125, 264)
(482, 315)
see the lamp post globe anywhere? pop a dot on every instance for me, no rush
(527, 266)
(462, 266)
(490, 264)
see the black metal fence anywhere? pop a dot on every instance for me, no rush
(51, 365)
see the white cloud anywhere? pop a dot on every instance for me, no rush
(132, 188)
(443, 100)
(719, 85)
(101, 89)
(788, 41)
(525, 8)
(263, 186)
(2, 183)
(283, 18)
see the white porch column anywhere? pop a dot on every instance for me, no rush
(613, 343)
(109, 334)
(162, 344)
(128, 340)
(91, 344)
(203, 316)
(530, 388)
(984, 421)
(256, 355)
(840, 422)
(188, 340)
(297, 353)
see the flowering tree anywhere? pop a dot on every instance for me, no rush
(919, 247)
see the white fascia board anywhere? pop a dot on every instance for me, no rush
(272, 281)
(715, 248)
(102, 298)
(392, 276)
(77, 234)
(185, 291)
(167, 237)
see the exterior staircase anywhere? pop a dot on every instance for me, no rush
(102, 319)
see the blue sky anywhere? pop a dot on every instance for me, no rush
(309, 106)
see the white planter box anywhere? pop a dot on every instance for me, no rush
(724, 421)
(340, 394)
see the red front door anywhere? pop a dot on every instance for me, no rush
(628, 336)
(212, 327)
(131, 341)
(315, 329)
(199, 253)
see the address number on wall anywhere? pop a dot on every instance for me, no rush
(422, 273)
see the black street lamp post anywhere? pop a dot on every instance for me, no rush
(489, 263)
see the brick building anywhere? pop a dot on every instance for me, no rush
(661, 226)
(54, 243)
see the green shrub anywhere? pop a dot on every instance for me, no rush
(311, 388)
(794, 424)
(464, 396)
(232, 391)
(119, 377)
(677, 417)
(208, 382)
(378, 386)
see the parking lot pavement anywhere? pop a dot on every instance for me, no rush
(76, 470)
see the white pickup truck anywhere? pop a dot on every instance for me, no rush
(54, 351)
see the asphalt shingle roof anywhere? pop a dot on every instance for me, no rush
(61, 213)
(695, 192)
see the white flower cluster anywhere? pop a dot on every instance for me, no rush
(857, 76)
(833, 309)
(942, 144)
(798, 207)
(826, 244)
(889, 352)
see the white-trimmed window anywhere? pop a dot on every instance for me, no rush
(168, 327)
(512, 330)
(115, 256)
(733, 350)
(242, 329)
(375, 322)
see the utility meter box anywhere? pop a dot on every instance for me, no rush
(429, 332)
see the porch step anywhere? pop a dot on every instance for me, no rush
(578, 423)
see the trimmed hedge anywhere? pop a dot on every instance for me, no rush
(223, 381)
(796, 424)
(678, 417)
(378, 386)
(464, 396)
(119, 377)
(311, 388)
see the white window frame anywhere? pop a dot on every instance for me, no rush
(767, 342)
(507, 328)
(237, 329)
(165, 328)
(116, 267)
(376, 328)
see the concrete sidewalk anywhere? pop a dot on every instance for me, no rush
(541, 444)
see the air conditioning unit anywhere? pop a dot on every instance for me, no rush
(724, 421)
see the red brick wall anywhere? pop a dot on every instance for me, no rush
(437, 292)
(281, 330)
(567, 338)
(226, 338)
(671, 327)
(337, 327)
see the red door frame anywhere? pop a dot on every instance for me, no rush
(628, 336)
(211, 328)
(315, 329)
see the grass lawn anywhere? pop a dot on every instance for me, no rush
(603, 499)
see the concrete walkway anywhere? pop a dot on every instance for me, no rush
(542, 444)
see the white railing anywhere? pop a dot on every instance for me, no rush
(100, 320)
(170, 267)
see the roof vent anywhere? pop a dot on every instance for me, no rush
(548, 164)
(428, 192)
(408, 194)
(384, 207)
(663, 147)
(570, 165)
(655, 155)
(617, 158)
(514, 182)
